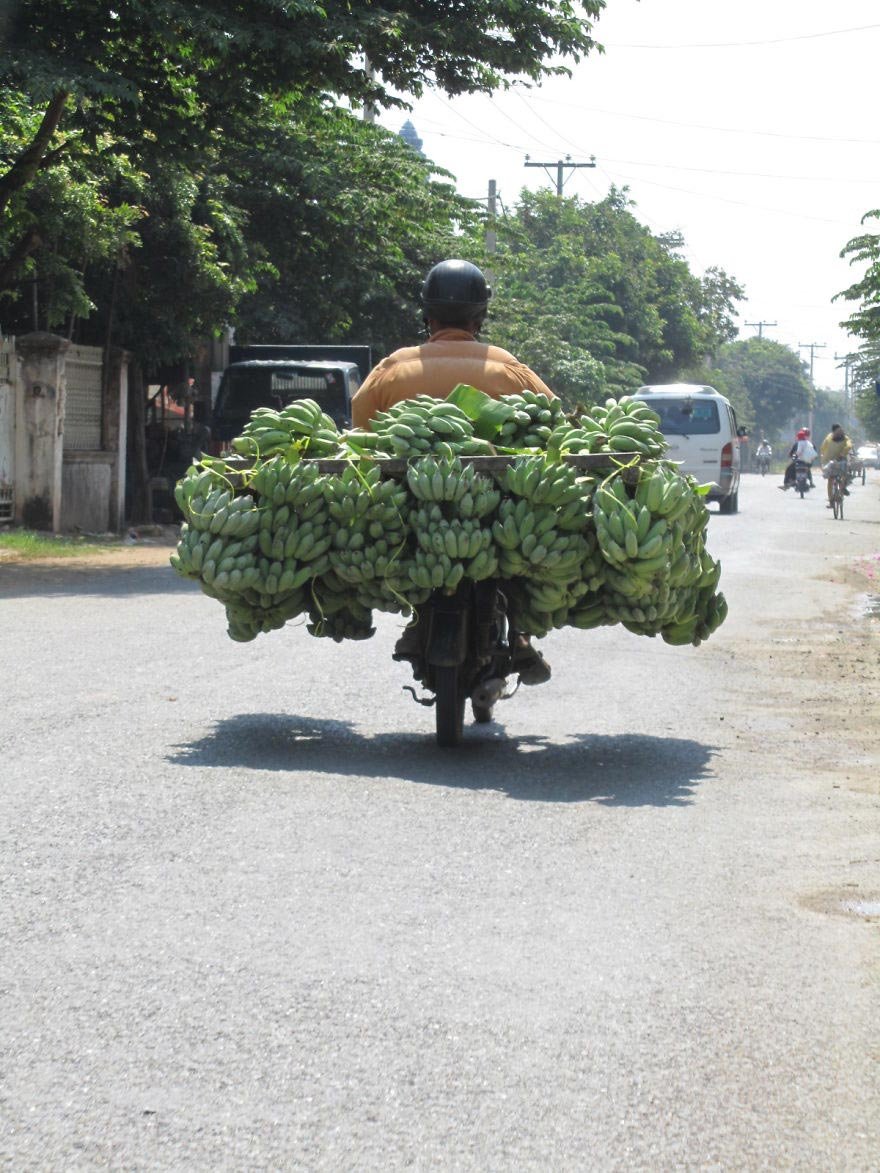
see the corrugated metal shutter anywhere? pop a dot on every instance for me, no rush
(82, 414)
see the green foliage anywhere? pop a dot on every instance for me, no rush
(867, 409)
(165, 160)
(719, 292)
(864, 323)
(766, 382)
(308, 189)
(594, 301)
(864, 249)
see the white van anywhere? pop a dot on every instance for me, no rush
(700, 428)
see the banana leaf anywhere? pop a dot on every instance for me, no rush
(485, 413)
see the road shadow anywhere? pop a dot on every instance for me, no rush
(621, 770)
(27, 580)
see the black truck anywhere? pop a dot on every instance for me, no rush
(273, 375)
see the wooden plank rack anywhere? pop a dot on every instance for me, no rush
(397, 465)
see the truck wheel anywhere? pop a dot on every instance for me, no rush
(449, 706)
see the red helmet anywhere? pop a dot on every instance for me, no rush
(803, 433)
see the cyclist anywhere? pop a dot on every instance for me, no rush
(836, 446)
(455, 298)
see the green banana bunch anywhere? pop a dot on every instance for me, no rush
(301, 425)
(361, 494)
(628, 425)
(282, 538)
(440, 479)
(543, 482)
(350, 620)
(416, 426)
(628, 533)
(530, 422)
(583, 437)
(198, 482)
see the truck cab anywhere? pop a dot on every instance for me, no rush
(274, 383)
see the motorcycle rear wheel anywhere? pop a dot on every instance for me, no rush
(449, 705)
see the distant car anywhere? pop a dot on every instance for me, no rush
(868, 455)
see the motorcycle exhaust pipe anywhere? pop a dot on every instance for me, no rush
(486, 694)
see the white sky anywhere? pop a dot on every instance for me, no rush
(762, 152)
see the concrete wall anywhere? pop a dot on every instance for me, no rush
(67, 473)
(86, 490)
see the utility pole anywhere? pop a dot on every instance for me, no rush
(812, 347)
(845, 360)
(491, 237)
(760, 326)
(561, 165)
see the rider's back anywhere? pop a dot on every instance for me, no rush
(450, 356)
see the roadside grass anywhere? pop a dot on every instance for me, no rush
(26, 545)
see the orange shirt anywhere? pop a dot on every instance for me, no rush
(449, 357)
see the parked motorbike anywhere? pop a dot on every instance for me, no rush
(463, 650)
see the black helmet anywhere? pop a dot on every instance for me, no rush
(455, 291)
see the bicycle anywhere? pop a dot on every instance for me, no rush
(837, 477)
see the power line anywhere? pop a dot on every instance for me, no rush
(727, 200)
(750, 44)
(812, 138)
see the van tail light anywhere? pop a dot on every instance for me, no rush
(727, 456)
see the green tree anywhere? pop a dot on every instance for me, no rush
(864, 323)
(716, 311)
(307, 190)
(591, 298)
(864, 249)
(182, 74)
(766, 381)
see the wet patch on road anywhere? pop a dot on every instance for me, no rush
(847, 901)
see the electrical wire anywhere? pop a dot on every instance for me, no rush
(750, 44)
(811, 138)
(787, 212)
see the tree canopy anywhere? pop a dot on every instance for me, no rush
(596, 302)
(766, 382)
(177, 142)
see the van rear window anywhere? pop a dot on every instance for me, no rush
(687, 417)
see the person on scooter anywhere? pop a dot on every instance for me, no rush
(455, 299)
(836, 446)
(763, 454)
(801, 452)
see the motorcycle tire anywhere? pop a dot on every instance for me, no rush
(449, 705)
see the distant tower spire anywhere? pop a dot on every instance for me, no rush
(410, 136)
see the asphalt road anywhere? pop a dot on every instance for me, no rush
(252, 918)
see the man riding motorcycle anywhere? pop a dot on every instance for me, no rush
(801, 452)
(455, 299)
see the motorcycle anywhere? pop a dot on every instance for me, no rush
(762, 460)
(462, 650)
(802, 481)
